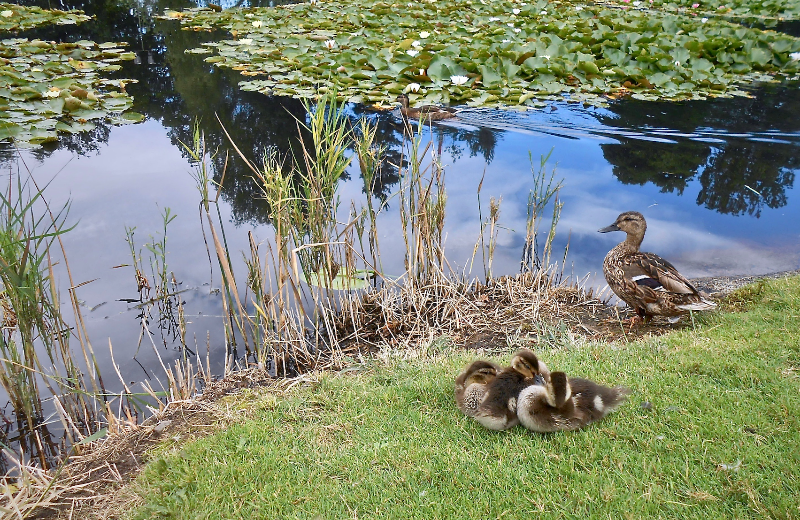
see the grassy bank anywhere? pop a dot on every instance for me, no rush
(716, 437)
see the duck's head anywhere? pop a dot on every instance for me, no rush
(403, 100)
(526, 363)
(631, 222)
(480, 372)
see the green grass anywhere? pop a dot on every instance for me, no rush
(388, 442)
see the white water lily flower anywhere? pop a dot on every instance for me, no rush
(52, 93)
(246, 41)
(516, 11)
(543, 12)
(258, 23)
(494, 19)
(7, 14)
(424, 34)
(578, 8)
(505, 41)
(546, 56)
(510, 24)
(330, 44)
(795, 56)
(414, 87)
(249, 15)
(412, 52)
(636, 3)
(459, 80)
(313, 2)
(416, 44)
(677, 63)
(516, 30)
(704, 20)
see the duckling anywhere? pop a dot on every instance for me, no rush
(498, 409)
(646, 282)
(471, 385)
(426, 112)
(564, 403)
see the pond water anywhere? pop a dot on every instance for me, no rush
(714, 179)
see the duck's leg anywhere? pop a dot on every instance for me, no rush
(640, 318)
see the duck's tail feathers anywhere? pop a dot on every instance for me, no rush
(613, 398)
(702, 305)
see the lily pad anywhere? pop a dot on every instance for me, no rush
(47, 88)
(490, 53)
(17, 17)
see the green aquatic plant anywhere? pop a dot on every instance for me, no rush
(494, 53)
(15, 17)
(48, 87)
(768, 12)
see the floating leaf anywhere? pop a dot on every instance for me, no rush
(47, 87)
(17, 17)
(358, 280)
(508, 58)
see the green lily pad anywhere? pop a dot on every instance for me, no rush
(505, 52)
(58, 88)
(358, 280)
(18, 18)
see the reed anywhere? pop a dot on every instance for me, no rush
(166, 292)
(236, 319)
(31, 315)
(535, 255)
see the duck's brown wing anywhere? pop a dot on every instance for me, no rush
(649, 270)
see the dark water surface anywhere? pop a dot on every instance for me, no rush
(714, 179)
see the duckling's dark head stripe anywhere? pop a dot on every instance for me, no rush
(647, 281)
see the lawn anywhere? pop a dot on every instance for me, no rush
(710, 431)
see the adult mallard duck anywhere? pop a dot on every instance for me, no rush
(498, 410)
(425, 112)
(563, 403)
(471, 385)
(646, 282)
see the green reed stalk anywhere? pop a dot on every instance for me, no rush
(158, 259)
(422, 210)
(31, 315)
(236, 317)
(545, 189)
(370, 157)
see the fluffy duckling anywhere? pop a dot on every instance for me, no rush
(646, 282)
(471, 385)
(426, 112)
(566, 403)
(498, 410)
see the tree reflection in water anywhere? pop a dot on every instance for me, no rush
(735, 148)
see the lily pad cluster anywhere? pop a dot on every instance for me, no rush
(766, 11)
(489, 52)
(18, 18)
(48, 87)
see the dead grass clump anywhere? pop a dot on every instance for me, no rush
(473, 312)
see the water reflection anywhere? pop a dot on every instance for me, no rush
(744, 150)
